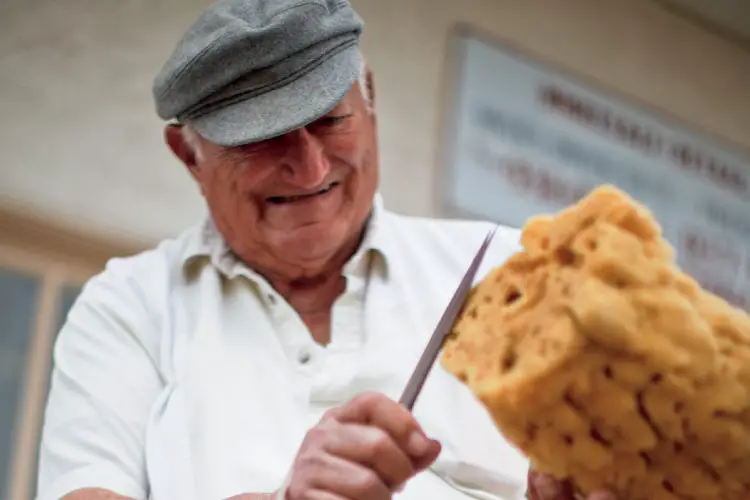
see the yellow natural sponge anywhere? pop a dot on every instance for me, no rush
(606, 364)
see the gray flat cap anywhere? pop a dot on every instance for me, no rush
(249, 70)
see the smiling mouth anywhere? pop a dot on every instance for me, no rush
(280, 200)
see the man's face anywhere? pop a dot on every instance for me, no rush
(292, 203)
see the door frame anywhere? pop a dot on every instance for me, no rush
(58, 258)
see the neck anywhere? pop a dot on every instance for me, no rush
(312, 296)
(313, 286)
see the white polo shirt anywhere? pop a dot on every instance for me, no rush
(182, 374)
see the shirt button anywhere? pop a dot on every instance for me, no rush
(304, 357)
(272, 299)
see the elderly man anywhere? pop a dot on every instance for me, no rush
(258, 355)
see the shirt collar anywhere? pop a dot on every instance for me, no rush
(207, 244)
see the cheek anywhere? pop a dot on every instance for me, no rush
(348, 148)
(224, 191)
(230, 208)
(219, 186)
(350, 142)
(367, 167)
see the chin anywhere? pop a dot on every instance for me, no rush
(315, 241)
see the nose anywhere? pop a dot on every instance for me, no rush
(304, 164)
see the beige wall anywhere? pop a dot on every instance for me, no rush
(82, 146)
(630, 46)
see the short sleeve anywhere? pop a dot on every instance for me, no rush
(104, 382)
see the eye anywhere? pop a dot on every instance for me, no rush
(330, 121)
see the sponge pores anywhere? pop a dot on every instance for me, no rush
(605, 364)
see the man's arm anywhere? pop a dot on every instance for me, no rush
(104, 382)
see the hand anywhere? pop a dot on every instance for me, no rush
(364, 450)
(544, 487)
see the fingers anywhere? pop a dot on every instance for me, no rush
(325, 473)
(347, 479)
(379, 411)
(373, 448)
(365, 450)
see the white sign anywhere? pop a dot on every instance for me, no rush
(526, 139)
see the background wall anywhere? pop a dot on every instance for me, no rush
(634, 47)
(83, 148)
(84, 161)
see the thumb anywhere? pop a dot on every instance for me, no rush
(430, 456)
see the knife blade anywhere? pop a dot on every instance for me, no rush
(444, 326)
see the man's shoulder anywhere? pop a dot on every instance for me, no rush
(130, 293)
(154, 267)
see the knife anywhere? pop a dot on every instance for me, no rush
(444, 326)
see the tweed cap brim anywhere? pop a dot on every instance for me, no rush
(281, 110)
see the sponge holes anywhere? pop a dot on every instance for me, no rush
(512, 295)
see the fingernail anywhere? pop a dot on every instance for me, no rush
(434, 443)
(547, 487)
(418, 445)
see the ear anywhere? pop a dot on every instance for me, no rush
(370, 82)
(182, 150)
